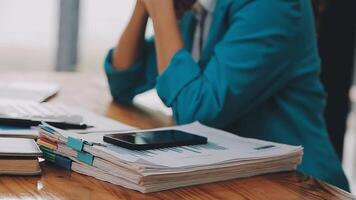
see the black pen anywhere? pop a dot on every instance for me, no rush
(27, 123)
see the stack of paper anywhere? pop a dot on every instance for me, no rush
(226, 156)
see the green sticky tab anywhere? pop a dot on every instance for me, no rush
(45, 149)
(86, 158)
(49, 157)
(48, 129)
(49, 154)
(75, 143)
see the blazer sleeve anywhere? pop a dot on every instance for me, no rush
(249, 65)
(141, 76)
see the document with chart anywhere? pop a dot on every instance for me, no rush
(225, 156)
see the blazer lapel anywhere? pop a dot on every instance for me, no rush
(217, 30)
(187, 28)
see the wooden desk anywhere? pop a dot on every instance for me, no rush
(90, 91)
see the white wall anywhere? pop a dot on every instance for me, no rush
(28, 32)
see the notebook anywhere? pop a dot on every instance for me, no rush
(19, 156)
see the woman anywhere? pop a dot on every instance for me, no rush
(249, 67)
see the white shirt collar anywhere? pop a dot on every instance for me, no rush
(208, 5)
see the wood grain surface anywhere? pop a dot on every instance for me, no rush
(91, 92)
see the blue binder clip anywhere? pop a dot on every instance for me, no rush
(63, 162)
(86, 158)
(74, 143)
(46, 128)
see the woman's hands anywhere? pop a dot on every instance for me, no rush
(164, 14)
(167, 34)
(130, 44)
(154, 6)
(180, 6)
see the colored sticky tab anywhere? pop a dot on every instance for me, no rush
(46, 128)
(49, 157)
(45, 149)
(74, 143)
(46, 143)
(86, 158)
(63, 162)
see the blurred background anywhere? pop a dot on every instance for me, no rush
(73, 35)
(31, 30)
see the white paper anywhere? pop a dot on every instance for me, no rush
(27, 91)
(19, 133)
(101, 124)
(150, 100)
(222, 147)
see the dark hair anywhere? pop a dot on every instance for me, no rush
(319, 6)
(316, 9)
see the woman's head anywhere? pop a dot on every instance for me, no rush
(319, 7)
(182, 6)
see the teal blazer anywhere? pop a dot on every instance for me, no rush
(258, 77)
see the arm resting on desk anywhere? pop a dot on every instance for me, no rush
(249, 65)
(127, 67)
(141, 76)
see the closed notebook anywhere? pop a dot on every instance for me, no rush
(19, 156)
